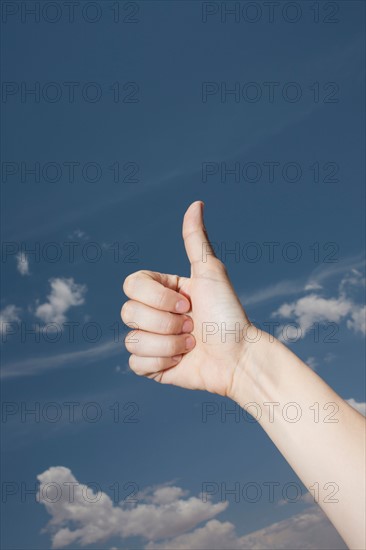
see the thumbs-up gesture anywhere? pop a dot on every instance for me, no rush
(190, 331)
(193, 332)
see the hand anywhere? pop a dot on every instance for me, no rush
(182, 322)
(170, 310)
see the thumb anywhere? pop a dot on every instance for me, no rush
(199, 250)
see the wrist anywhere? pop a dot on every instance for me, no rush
(255, 375)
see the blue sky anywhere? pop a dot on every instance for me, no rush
(172, 137)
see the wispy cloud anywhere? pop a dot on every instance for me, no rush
(78, 234)
(312, 282)
(314, 308)
(357, 323)
(312, 362)
(123, 370)
(310, 530)
(37, 365)
(10, 314)
(269, 293)
(358, 405)
(22, 263)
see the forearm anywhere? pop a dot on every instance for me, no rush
(323, 445)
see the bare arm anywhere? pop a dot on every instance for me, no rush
(321, 436)
(193, 332)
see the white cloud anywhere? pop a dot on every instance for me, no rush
(313, 286)
(353, 279)
(308, 530)
(314, 309)
(359, 406)
(165, 495)
(22, 263)
(216, 535)
(10, 314)
(65, 293)
(331, 270)
(167, 520)
(314, 362)
(358, 320)
(76, 520)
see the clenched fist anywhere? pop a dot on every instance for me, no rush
(188, 329)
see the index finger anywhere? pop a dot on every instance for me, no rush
(156, 290)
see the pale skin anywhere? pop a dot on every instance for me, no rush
(185, 345)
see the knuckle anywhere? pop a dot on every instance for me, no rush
(172, 345)
(133, 363)
(158, 363)
(128, 346)
(126, 311)
(130, 282)
(131, 341)
(127, 284)
(169, 324)
(160, 300)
